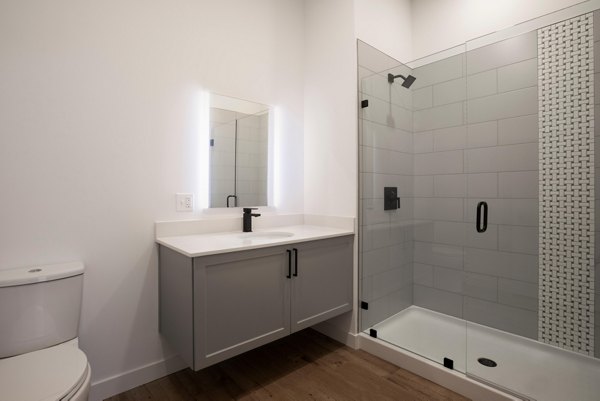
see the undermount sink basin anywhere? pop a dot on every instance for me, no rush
(266, 235)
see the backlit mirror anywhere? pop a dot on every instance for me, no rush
(239, 132)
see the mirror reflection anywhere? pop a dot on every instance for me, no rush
(239, 132)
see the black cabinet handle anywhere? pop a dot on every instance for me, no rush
(295, 262)
(289, 275)
(481, 228)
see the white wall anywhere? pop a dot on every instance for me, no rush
(386, 25)
(98, 132)
(330, 120)
(330, 124)
(330, 102)
(440, 24)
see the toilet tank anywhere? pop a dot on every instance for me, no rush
(39, 307)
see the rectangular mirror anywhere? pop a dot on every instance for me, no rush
(239, 133)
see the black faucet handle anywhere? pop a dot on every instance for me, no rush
(249, 209)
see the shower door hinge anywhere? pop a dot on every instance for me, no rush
(364, 305)
(373, 333)
(364, 103)
(448, 363)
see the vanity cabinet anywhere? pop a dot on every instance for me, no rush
(218, 306)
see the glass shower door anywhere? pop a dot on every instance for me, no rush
(529, 287)
(385, 143)
(440, 190)
(501, 265)
(412, 134)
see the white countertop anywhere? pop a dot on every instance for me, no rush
(223, 242)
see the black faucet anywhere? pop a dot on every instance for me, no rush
(248, 218)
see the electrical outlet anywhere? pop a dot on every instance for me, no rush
(185, 202)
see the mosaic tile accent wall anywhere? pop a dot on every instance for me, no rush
(566, 157)
(597, 185)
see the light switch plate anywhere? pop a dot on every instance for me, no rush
(184, 202)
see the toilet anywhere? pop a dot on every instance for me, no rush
(39, 321)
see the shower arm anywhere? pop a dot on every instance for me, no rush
(392, 77)
(407, 80)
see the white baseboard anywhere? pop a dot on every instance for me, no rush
(333, 331)
(114, 385)
(453, 380)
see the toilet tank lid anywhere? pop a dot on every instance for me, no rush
(38, 274)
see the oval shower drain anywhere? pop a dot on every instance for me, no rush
(487, 362)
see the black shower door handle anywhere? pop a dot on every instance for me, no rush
(481, 228)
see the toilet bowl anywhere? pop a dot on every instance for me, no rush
(55, 373)
(40, 359)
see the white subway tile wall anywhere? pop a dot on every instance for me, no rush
(503, 53)
(482, 135)
(482, 84)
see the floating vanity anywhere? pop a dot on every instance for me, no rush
(224, 293)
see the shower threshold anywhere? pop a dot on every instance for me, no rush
(523, 367)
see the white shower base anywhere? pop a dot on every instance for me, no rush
(525, 367)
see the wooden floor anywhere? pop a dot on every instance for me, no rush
(303, 366)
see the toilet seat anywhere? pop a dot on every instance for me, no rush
(50, 374)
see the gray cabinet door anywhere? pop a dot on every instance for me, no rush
(241, 301)
(323, 285)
